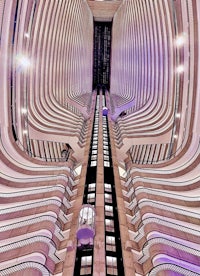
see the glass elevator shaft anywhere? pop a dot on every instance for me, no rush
(99, 249)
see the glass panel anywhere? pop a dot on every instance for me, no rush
(110, 243)
(91, 187)
(108, 210)
(109, 225)
(91, 198)
(108, 187)
(94, 157)
(111, 265)
(108, 198)
(106, 164)
(93, 163)
(86, 265)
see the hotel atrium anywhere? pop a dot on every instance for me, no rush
(99, 137)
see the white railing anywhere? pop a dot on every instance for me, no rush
(23, 266)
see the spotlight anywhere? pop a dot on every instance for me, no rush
(23, 61)
(180, 40)
(180, 69)
(24, 110)
(25, 132)
(27, 35)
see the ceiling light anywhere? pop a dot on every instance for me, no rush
(25, 132)
(24, 110)
(27, 35)
(180, 69)
(23, 61)
(180, 40)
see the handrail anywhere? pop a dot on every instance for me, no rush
(39, 238)
(36, 219)
(32, 205)
(47, 189)
(159, 192)
(173, 267)
(171, 243)
(47, 159)
(34, 178)
(167, 223)
(161, 206)
(65, 168)
(25, 265)
(190, 159)
(162, 181)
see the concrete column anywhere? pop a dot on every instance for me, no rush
(129, 269)
(69, 263)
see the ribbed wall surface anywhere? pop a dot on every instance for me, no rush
(46, 81)
(162, 200)
(55, 89)
(145, 60)
(46, 104)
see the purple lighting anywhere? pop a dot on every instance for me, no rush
(105, 111)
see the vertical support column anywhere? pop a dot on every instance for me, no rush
(70, 258)
(129, 269)
(99, 267)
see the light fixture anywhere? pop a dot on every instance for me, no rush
(180, 69)
(24, 110)
(175, 136)
(178, 115)
(25, 132)
(180, 40)
(27, 35)
(22, 61)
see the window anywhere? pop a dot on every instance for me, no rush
(93, 163)
(86, 265)
(91, 187)
(108, 187)
(91, 198)
(94, 157)
(106, 164)
(108, 211)
(108, 198)
(106, 157)
(109, 225)
(111, 263)
(110, 243)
